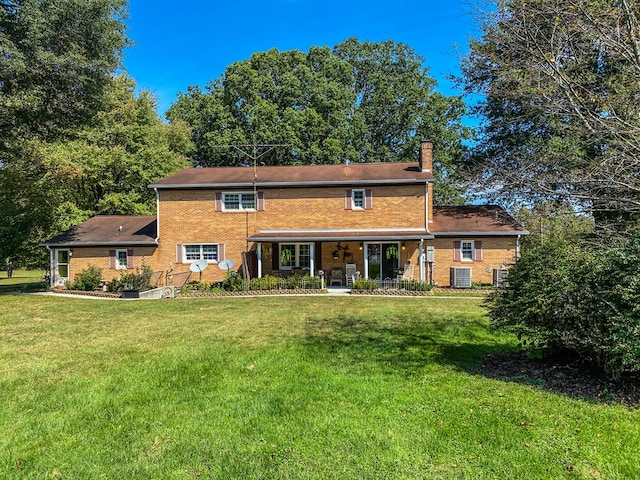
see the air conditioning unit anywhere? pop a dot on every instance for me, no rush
(500, 277)
(460, 277)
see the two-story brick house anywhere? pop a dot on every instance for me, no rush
(378, 217)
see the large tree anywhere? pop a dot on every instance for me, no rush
(57, 57)
(370, 102)
(105, 169)
(560, 82)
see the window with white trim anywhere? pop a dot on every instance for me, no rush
(295, 255)
(121, 259)
(238, 201)
(357, 199)
(204, 251)
(466, 250)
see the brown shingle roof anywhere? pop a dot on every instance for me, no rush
(295, 176)
(105, 230)
(474, 220)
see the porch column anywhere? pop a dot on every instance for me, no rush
(312, 260)
(259, 252)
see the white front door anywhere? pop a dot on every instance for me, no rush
(62, 267)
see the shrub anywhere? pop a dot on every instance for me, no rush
(415, 286)
(88, 279)
(268, 282)
(576, 293)
(233, 282)
(132, 281)
(364, 284)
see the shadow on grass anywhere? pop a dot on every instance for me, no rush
(16, 285)
(404, 347)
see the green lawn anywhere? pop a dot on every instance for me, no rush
(21, 281)
(284, 388)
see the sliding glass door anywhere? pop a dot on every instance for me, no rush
(381, 260)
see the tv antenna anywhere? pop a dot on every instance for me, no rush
(255, 156)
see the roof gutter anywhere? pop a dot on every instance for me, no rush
(477, 233)
(404, 181)
(145, 243)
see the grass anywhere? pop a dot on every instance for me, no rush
(284, 388)
(21, 281)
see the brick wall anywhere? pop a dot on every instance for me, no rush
(190, 216)
(84, 257)
(496, 251)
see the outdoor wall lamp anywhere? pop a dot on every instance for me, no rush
(403, 246)
(361, 246)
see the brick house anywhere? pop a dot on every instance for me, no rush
(377, 219)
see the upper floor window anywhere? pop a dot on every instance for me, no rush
(238, 202)
(357, 199)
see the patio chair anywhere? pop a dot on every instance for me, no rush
(335, 276)
(407, 274)
(350, 276)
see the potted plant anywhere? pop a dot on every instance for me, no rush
(285, 256)
(391, 252)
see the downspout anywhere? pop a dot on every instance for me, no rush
(422, 259)
(518, 247)
(426, 206)
(157, 216)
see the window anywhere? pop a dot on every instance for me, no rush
(205, 251)
(295, 255)
(357, 199)
(121, 259)
(238, 202)
(466, 251)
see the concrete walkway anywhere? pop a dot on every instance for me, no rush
(338, 291)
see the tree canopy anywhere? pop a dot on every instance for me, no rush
(561, 108)
(105, 169)
(370, 102)
(57, 57)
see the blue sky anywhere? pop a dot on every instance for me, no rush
(178, 45)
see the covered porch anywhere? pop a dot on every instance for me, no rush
(343, 255)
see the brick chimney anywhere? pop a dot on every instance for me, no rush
(425, 160)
